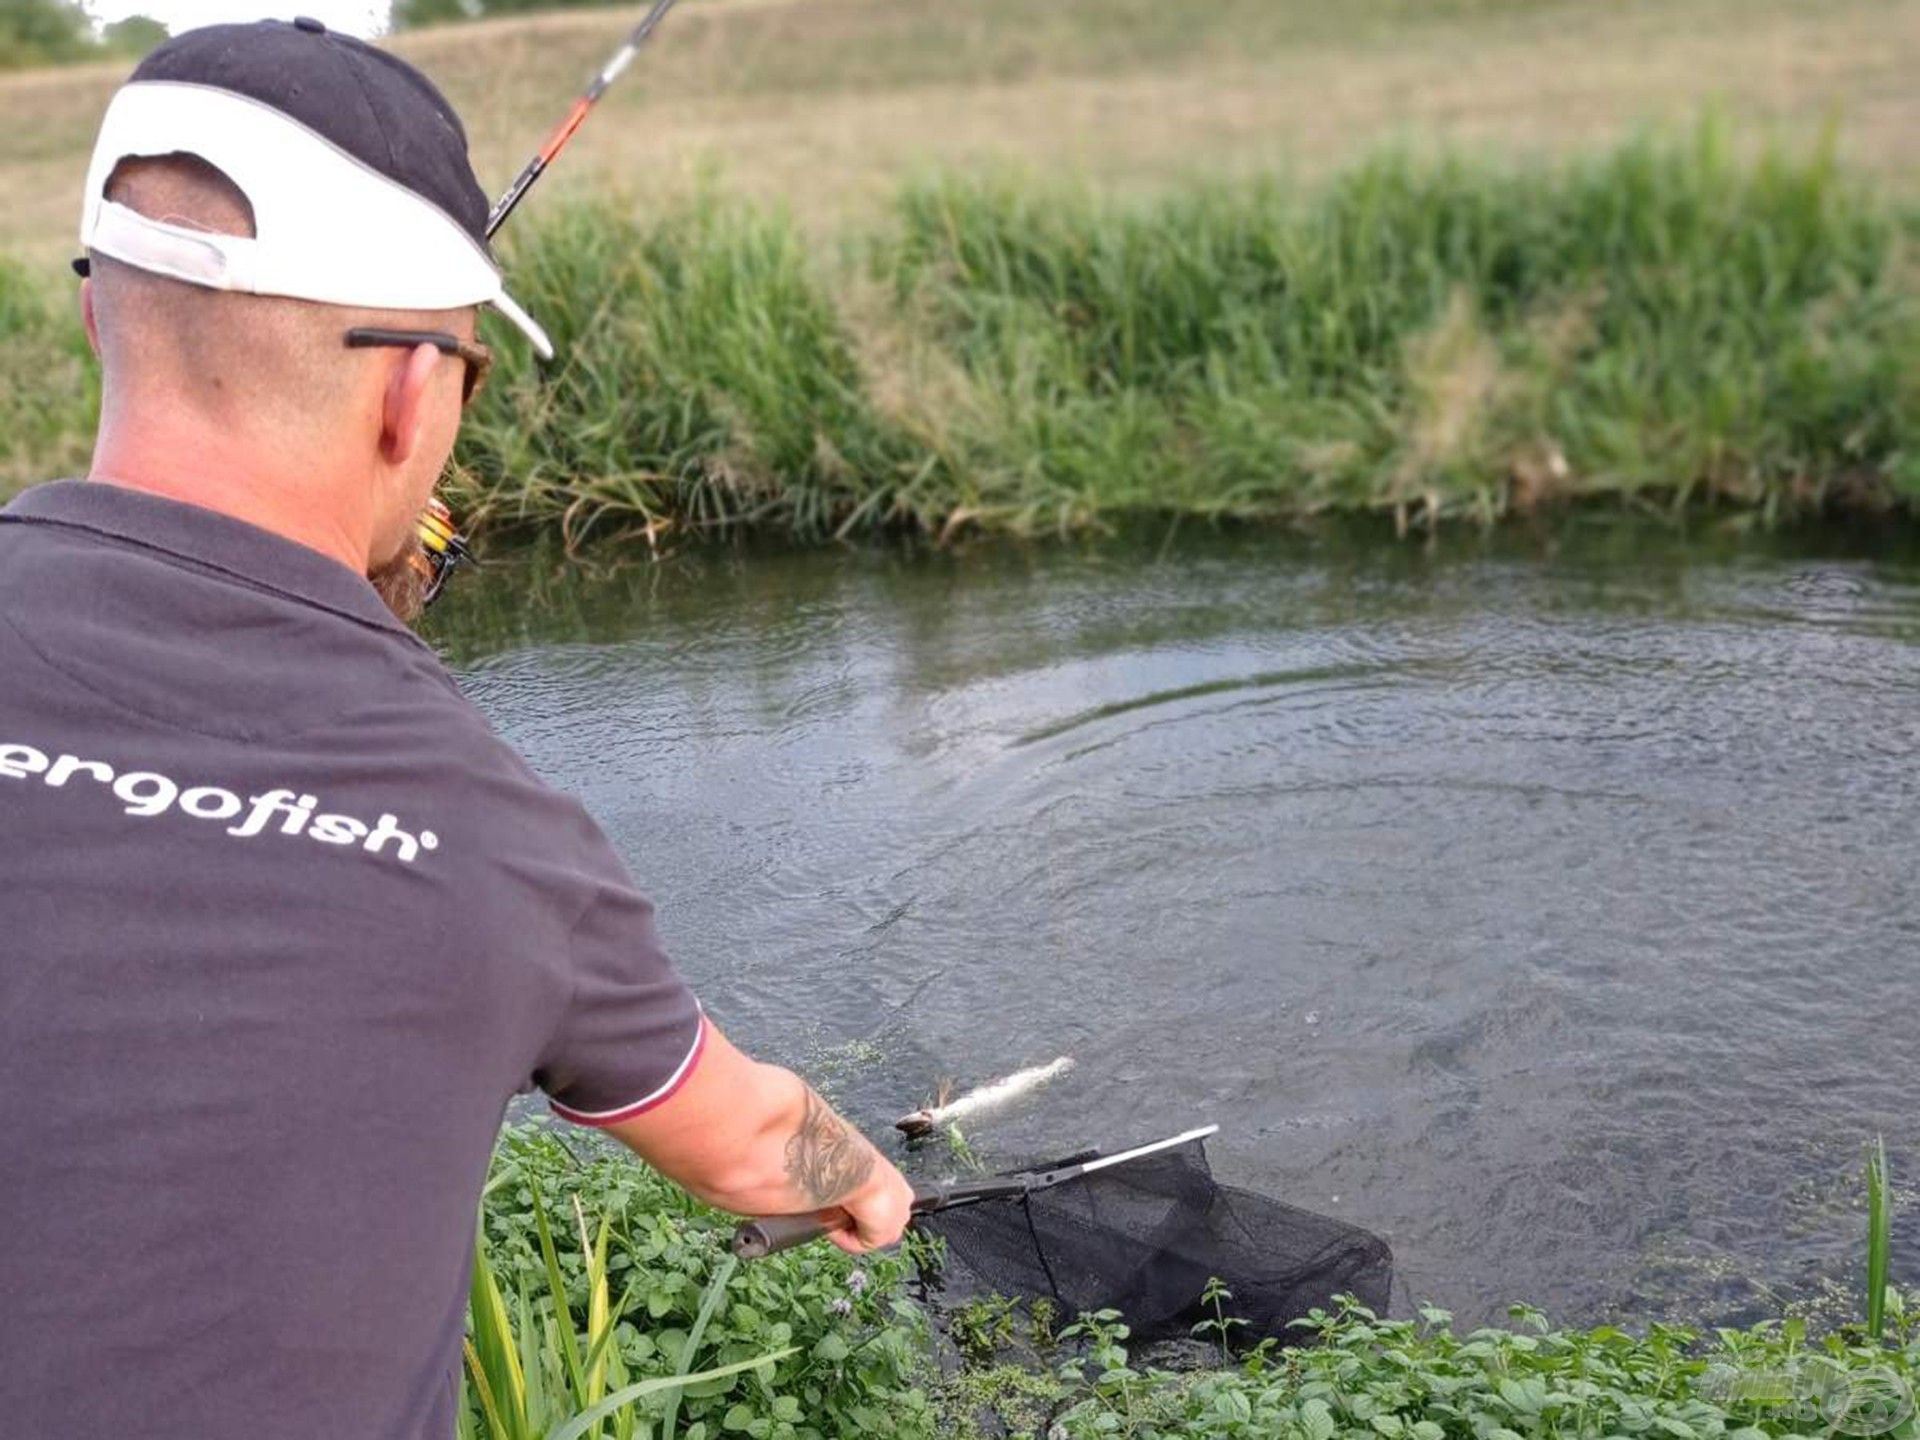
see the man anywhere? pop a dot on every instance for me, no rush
(285, 926)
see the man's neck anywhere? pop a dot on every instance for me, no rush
(240, 479)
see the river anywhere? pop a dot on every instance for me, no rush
(1546, 902)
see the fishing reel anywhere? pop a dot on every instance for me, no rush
(443, 549)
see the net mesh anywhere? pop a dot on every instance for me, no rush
(1145, 1237)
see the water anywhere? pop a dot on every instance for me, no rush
(1546, 904)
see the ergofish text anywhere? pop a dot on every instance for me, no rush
(146, 794)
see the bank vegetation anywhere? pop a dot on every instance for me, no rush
(1672, 326)
(608, 1308)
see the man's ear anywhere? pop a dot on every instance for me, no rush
(404, 408)
(88, 318)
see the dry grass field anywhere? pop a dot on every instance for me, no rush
(826, 104)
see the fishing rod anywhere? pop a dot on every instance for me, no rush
(443, 549)
(556, 142)
(757, 1239)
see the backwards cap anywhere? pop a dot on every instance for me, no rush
(355, 165)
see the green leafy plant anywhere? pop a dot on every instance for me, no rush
(646, 1326)
(533, 1377)
(1219, 1326)
(983, 1327)
(1367, 1378)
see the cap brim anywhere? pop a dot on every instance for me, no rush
(524, 323)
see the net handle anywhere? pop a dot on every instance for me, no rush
(770, 1234)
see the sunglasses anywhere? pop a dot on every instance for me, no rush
(478, 358)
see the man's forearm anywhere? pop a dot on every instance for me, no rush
(757, 1140)
(827, 1160)
(805, 1157)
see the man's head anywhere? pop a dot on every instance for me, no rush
(362, 434)
(258, 193)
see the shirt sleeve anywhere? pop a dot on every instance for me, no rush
(632, 1032)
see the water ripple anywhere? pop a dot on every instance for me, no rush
(1548, 913)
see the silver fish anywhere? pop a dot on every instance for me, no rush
(987, 1098)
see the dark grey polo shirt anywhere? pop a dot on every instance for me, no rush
(283, 926)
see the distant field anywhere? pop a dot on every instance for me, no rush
(826, 104)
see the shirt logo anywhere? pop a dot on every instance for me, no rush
(146, 794)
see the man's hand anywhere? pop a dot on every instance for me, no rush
(754, 1139)
(858, 1192)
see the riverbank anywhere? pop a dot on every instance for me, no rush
(852, 1354)
(1669, 326)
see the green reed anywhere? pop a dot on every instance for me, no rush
(631, 1321)
(1879, 1237)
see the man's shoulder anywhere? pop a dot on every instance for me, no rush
(191, 619)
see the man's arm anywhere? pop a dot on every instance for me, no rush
(756, 1140)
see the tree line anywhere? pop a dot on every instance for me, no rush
(59, 32)
(56, 32)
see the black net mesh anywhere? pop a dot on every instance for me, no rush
(1146, 1236)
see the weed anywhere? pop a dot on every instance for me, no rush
(1219, 1326)
(983, 1327)
(792, 1348)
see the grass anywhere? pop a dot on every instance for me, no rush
(1668, 326)
(1671, 325)
(825, 106)
(48, 387)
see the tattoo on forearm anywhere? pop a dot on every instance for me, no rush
(827, 1159)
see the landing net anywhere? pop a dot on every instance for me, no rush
(1145, 1237)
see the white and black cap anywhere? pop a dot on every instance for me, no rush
(354, 163)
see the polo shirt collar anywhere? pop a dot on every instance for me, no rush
(208, 539)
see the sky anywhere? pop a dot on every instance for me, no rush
(355, 17)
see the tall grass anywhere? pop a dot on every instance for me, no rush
(1667, 325)
(706, 381)
(1667, 321)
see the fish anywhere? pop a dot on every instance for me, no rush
(986, 1098)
